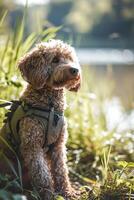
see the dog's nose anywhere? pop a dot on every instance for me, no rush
(74, 71)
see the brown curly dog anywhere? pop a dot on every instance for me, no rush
(48, 68)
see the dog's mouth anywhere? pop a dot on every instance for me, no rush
(68, 83)
(66, 80)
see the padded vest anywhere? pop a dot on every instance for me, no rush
(51, 121)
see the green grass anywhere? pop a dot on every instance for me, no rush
(100, 165)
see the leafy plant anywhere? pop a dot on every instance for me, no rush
(13, 46)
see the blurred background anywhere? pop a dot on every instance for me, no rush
(102, 33)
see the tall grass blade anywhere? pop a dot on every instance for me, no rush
(9, 163)
(4, 53)
(30, 40)
(18, 162)
(3, 18)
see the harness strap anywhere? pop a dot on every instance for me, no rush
(51, 120)
(4, 104)
(54, 126)
(30, 110)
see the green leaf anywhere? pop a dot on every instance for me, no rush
(59, 198)
(125, 164)
(50, 30)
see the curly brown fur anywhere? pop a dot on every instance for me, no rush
(48, 69)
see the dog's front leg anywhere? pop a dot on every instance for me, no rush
(59, 167)
(60, 170)
(31, 148)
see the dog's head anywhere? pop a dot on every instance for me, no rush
(53, 64)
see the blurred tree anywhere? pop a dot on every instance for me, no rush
(87, 15)
(105, 19)
(84, 14)
(119, 20)
(123, 8)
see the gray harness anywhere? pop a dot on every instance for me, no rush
(51, 121)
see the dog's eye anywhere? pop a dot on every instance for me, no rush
(56, 59)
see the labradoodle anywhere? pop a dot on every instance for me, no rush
(48, 68)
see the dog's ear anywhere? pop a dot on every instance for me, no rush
(75, 88)
(33, 69)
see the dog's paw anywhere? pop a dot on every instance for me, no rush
(71, 194)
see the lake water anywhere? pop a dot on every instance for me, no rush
(105, 56)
